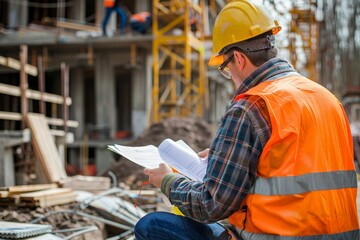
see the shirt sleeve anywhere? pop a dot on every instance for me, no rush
(232, 165)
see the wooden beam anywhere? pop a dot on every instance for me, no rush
(51, 121)
(15, 64)
(77, 26)
(41, 81)
(23, 82)
(45, 148)
(10, 116)
(65, 90)
(60, 122)
(33, 94)
(29, 188)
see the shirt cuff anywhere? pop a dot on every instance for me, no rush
(167, 181)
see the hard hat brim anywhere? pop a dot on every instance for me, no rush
(216, 60)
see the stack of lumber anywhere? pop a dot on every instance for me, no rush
(39, 195)
(86, 183)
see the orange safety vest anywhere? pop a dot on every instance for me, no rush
(306, 183)
(109, 3)
(139, 17)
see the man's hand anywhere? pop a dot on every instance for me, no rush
(156, 175)
(204, 153)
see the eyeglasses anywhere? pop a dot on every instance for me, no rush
(224, 69)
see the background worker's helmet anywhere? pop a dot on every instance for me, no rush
(240, 20)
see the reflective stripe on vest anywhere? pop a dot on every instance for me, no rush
(351, 235)
(304, 183)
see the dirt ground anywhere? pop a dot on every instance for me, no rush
(196, 133)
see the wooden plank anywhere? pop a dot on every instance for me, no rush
(57, 133)
(4, 194)
(76, 26)
(24, 84)
(30, 188)
(33, 94)
(51, 121)
(48, 198)
(10, 116)
(60, 122)
(48, 193)
(45, 148)
(57, 201)
(15, 64)
(86, 183)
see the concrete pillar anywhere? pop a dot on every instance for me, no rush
(17, 13)
(77, 96)
(138, 101)
(103, 160)
(105, 92)
(7, 174)
(99, 15)
(105, 104)
(142, 5)
(78, 11)
(141, 96)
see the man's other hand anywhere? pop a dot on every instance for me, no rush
(156, 175)
(204, 153)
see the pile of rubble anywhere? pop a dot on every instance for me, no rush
(195, 133)
(61, 221)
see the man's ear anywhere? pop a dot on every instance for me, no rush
(239, 59)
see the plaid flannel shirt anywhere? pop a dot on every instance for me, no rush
(235, 150)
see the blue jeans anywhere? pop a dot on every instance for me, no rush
(164, 225)
(120, 12)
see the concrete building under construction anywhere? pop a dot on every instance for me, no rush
(55, 61)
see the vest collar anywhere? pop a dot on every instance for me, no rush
(272, 69)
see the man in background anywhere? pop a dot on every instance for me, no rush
(110, 7)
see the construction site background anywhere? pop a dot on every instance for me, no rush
(135, 88)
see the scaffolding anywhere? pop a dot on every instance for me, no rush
(304, 25)
(178, 59)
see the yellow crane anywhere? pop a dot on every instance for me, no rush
(178, 59)
(304, 24)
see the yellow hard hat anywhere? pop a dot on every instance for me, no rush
(240, 20)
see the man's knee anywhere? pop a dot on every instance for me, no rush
(148, 225)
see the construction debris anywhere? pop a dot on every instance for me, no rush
(13, 230)
(98, 210)
(59, 222)
(196, 133)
